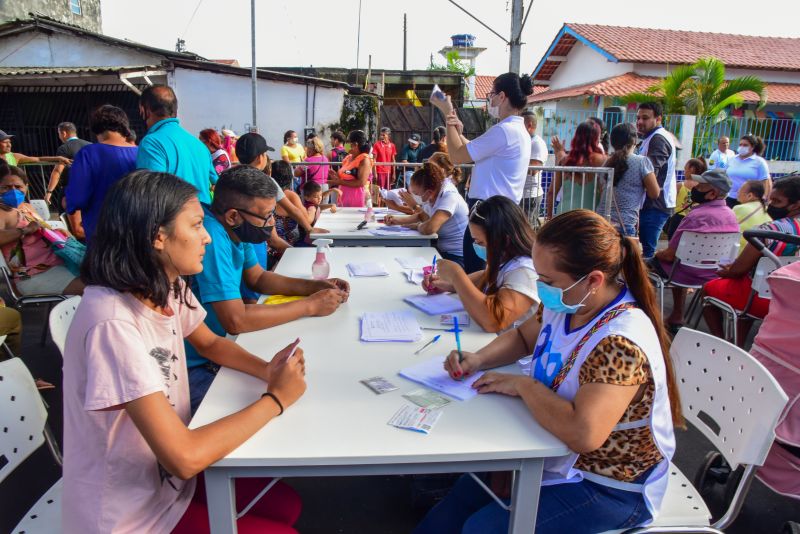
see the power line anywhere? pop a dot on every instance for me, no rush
(191, 18)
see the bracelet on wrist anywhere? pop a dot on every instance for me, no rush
(275, 398)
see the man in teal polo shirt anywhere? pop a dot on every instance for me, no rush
(167, 147)
(241, 215)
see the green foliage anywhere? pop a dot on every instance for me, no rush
(454, 64)
(700, 89)
(358, 113)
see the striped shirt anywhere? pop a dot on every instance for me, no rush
(787, 225)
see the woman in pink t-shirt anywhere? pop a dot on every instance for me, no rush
(314, 173)
(129, 457)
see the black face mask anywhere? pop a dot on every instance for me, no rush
(249, 233)
(699, 197)
(777, 213)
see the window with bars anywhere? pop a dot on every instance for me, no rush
(75, 6)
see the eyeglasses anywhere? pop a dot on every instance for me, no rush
(474, 211)
(490, 94)
(266, 219)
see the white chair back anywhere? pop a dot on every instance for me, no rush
(764, 268)
(58, 225)
(41, 208)
(704, 251)
(727, 395)
(60, 319)
(22, 418)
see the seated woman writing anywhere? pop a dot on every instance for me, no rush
(130, 461)
(602, 382)
(443, 211)
(503, 294)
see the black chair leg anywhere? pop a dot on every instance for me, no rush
(46, 327)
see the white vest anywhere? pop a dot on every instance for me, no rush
(553, 348)
(670, 188)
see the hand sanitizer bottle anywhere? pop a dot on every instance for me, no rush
(321, 269)
(369, 216)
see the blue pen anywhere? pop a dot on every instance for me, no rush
(433, 268)
(456, 329)
(428, 344)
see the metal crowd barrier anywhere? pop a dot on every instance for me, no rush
(538, 185)
(539, 180)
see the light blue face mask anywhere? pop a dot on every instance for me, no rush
(552, 298)
(480, 250)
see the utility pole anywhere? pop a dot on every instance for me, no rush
(405, 40)
(515, 42)
(254, 70)
(358, 40)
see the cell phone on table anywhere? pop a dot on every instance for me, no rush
(361, 225)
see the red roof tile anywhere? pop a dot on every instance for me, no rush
(677, 47)
(777, 93)
(483, 84)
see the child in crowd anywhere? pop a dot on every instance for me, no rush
(312, 201)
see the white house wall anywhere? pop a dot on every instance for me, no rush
(31, 49)
(211, 100)
(661, 70)
(584, 65)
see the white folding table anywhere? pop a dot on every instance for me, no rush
(339, 427)
(342, 226)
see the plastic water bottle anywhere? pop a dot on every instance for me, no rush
(321, 269)
(369, 216)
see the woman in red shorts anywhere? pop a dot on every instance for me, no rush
(734, 283)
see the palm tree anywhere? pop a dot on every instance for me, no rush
(700, 89)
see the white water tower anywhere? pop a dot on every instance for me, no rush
(464, 44)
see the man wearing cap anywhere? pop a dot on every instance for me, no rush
(712, 215)
(410, 153)
(168, 147)
(15, 158)
(252, 150)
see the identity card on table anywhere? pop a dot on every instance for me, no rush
(431, 373)
(379, 385)
(415, 418)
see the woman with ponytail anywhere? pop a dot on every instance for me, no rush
(601, 381)
(501, 155)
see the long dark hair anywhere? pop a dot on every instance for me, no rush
(121, 256)
(584, 242)
(623, 139)
(584, 144)
(508, 235)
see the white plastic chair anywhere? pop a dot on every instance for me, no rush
(698, 250)
(42, 210)
(20, 300)
(735, 402)
(60, 318)
(759, 287)
(23, 420)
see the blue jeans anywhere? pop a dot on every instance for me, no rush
(580, 507)
(651, 222)
(200, 378)
(472, 262)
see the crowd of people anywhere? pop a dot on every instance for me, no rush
(182, 232)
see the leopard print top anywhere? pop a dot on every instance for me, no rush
(626, 454)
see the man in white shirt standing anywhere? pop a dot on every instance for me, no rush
(720, 157)
(533, 193)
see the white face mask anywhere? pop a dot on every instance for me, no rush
(418, 198)
(744, 150)
(494, 111)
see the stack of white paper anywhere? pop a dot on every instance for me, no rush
(367, 269)
(390, 326)
(436, 304)
(413, 263)
(432, 374)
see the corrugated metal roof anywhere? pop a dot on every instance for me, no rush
(19, 71)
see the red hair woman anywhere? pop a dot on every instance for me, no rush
(220, 158)
(578, 190)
